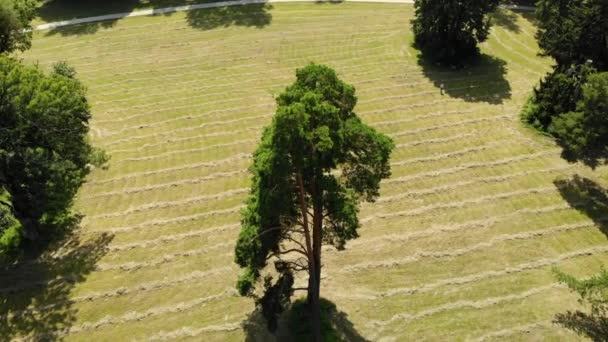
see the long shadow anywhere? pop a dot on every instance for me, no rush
(480, 80)
(529, 16)
(588, 197)
(35, 294)
(294, 325)
(58, 10)
(506, 18)
(255, 15)
(592, 326)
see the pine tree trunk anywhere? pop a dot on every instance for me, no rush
(313, 243)
(317, 229)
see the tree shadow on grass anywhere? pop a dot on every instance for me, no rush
(59, 10)
(506, 18)
(592, 326)
(588, 197)
(254, 15)
(530, 16)
(35, 294)
(480, 80)
(294, 325)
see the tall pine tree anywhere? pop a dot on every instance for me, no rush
(315, 163)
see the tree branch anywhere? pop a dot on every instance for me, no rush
(304, 210)
(296, 242)
(303, 252)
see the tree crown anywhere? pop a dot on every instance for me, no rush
(574, 31)
(448, 31)
(15, 27)
(317, 153)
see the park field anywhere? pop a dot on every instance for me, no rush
(459, 246)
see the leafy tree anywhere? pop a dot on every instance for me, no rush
(575, 34)
(574, 31)
(44, 150)
(592, 291)
(315, 163)
(583, 133)
(15, 24)
(558, 93)
(448, 31)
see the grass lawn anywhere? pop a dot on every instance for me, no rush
(459, 246)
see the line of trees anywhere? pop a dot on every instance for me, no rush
(315, 163)
(571, 105)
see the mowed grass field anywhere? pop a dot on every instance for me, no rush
(459, 246)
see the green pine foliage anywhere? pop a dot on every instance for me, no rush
(449, 31)
(315, 163)
(575, 34)
(558, 93)
(583, 133)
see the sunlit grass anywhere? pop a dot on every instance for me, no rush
(459, 245)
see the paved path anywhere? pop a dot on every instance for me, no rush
(166, 10)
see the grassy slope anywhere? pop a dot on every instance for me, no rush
(459, 246)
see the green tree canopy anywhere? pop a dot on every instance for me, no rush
(574, 31)
(583, 133)
(558, 93)
(44, 150)
(575, 34)
(15, 24)
(448, 31)
(315, 162)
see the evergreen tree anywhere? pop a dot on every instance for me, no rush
(583, 133)
(574, 31)
(575, 34)
(315, 162)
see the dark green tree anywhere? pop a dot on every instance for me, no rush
(583, 133)
(574, 31)
(575, 34)
(558, 93)
(44, 150)
(15, 24)
(315, 163)
(448, 31)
